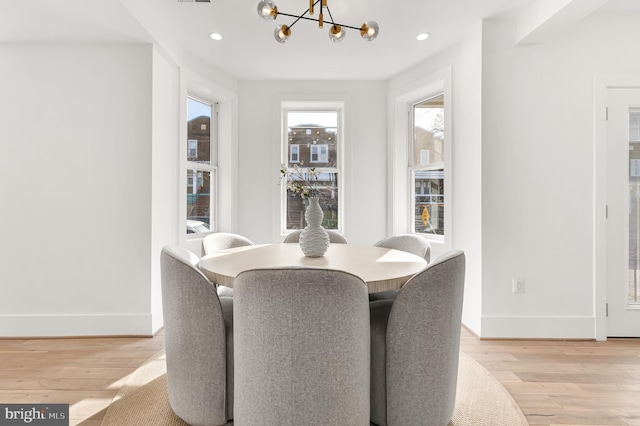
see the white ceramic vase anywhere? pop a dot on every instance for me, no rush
(314, 239)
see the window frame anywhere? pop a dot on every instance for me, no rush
(401, 98)
(433, 167)
(314, 106)
(212, 168)
(226, 198)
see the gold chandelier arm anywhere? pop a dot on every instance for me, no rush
(298, 17)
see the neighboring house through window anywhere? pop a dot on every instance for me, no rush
(313, 140)
(426, 165)
(201, 165)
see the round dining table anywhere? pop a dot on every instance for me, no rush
(381, 268)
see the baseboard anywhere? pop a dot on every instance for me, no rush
(540, 327)
(16, 326)
(472, 332)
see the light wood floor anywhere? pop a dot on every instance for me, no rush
(566, 382)
(554, 382)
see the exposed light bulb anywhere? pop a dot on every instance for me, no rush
(215, 36)
(369, 30)
(337, 33)
(422, 36)
(267, 10)
(282, 33)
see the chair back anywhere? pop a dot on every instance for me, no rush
(334, 237)
(195, 340)
(411, 243)
(423, 343)
(223, 240)
(301, 347)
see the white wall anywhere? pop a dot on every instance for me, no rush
(538, 174)
(90, 170)
(75, 179)
(365, 155)
(523, 154)
(164, 171)
(468, 192)
(465, 61)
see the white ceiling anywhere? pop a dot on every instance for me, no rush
(248, 50)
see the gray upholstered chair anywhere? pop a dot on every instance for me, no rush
(198, 333)
(221, 241)
(415, 343)
(334, 237)
(301, 348)
(411, 243)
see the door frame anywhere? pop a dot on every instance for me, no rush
(601, 83)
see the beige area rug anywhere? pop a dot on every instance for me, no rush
(481, 399)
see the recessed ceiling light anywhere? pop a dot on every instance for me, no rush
(422, 36)
(215, 36)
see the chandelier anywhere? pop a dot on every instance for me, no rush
(268, 11)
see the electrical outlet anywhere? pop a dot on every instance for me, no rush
(517, 285)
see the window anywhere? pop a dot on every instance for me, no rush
(634, 126)
(313, 138)
(201, 165)
(294, 153)
(426, 166)
(192, 146)
(319, 154)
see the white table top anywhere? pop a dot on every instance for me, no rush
(381, 268)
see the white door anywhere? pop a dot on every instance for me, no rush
(623, 206)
